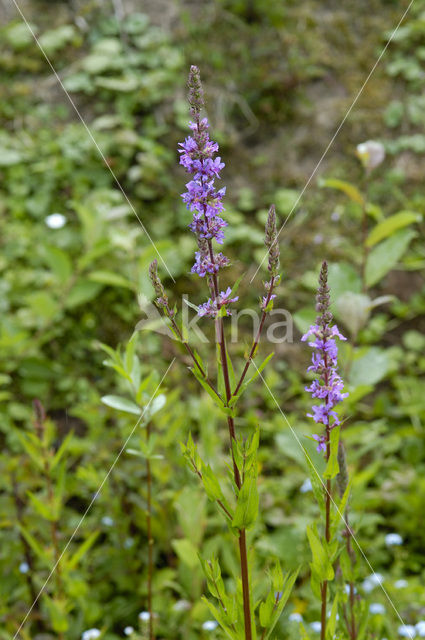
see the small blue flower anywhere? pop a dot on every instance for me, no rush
(372, 581)
(400, 584)
(295, 617)
(24, 567)
(306, 486)
(316, 626)
(91, 634)
(108, 521)
(128, 631)
(144, 616)
(393, 539)
(420, 628)
(376, 608)
(407, 631)
(210, 625)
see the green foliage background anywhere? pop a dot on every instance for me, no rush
(279, 78)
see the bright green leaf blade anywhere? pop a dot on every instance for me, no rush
(122, 404)
(390, 225)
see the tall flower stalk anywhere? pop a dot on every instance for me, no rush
(205, 201)
(327, 388)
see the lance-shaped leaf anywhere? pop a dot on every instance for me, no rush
(271, 609)
(247, 505)
(122, 404)
(332, 467)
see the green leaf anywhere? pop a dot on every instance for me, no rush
(343, 277)
(122, 404)
(370, 365)
(332, 467)
(285, 589)
(57, 613)
(112, 279)
(386, 255)
(82, 550)
(56, 39)
(316, 483)
(390, 225)
(331, 624)
(211, 484)
(63, 447)
(321, 565)
(59, 262)
(339, 512)
(221, 619)
(83, 291)
(247, 505)
(350, 190)
(35, 546)
(186, 551)
(43, 509)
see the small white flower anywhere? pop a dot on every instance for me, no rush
(128, 631)
(108, 521)
(316, 626)
(376, 608)
(210, 625)
(144, 616)
(407, 631)
(306, 486)
(401, 584)
(372, 581)
(371, 154)
(420, 628)
(128, 543)
(24, 567)
(347, 589)
(91, 634)
(55, 221)
(393, 539)
(181, 605)
(295, 617)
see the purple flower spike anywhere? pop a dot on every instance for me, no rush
(201, 196)
(212, 307)
(328, 387)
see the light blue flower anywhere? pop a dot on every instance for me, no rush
(407, 631)
(210, 625)
(144, 616)
(181, 605)
(24, 567)
(91, 634)
(393, 540)
(372, 581)
(108, 521)
(295, 617)
(420, 628)
(377, 608)
(128, 631)
(401, 584)
(306, 486)
(316, 626)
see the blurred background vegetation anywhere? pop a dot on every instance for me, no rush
(278, 77)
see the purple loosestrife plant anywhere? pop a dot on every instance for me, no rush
(328, 389)
(235, 612)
